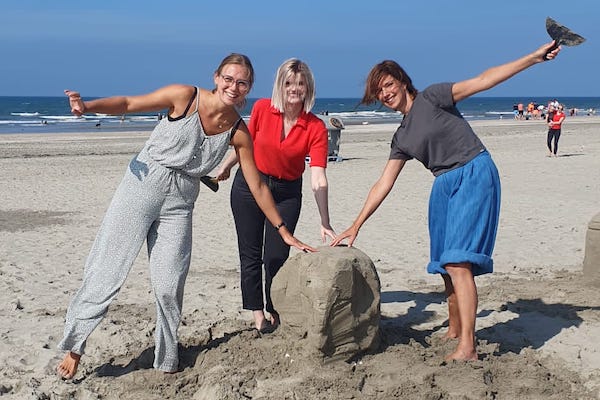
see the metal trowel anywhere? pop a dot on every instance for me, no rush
(211, 182)
(561, 35)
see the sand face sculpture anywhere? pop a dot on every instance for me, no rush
(591, 261)
(331, 299)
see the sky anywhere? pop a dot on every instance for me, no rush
(121, 47)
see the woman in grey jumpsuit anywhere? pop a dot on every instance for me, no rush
(155, 201)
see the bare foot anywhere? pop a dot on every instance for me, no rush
(260, 322)
(68, 367)
(461, 355)
(275, 320)
(450, 336)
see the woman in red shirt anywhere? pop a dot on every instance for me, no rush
(554, 129)
(284, 131)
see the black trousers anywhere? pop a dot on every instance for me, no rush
(258, 242)
(553, 134)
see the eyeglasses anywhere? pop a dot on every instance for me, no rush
(241, 84)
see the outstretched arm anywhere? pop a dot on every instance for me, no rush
(261, 192)
(377, 194)
(172, 97)
(496, 75)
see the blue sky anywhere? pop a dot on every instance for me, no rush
(114, 47)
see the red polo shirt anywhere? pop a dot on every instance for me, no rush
(555, 118)
(285, 159)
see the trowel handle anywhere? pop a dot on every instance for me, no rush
(550, 50)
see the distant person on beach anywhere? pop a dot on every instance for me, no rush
(155, 201)
(541, 111)
(551, 112)
(520, 110)
(284, 132)
(530, 108)
(536, 111)
(464, 203)
(554, 130)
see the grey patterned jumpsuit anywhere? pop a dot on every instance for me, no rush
(154, 202)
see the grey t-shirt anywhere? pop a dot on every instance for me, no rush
(435, 133)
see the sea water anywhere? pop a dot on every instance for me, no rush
(52, 114)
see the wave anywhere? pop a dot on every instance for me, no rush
(141, 118)
(362, 117)
(19, 122)
(62, 117)
(25, 114)
(499, 112)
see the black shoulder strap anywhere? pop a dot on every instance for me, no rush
(235, 127)
(187, 108)
(191, 101)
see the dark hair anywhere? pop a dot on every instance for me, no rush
(380, 71)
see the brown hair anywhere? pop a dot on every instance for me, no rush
(239, 59)
(381, 70)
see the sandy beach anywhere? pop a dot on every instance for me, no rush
(538, 322)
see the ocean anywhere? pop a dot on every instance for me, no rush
(52, 114)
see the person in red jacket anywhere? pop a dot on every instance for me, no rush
(554, 129)
(284, 131)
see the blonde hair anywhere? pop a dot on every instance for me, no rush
(291, 67)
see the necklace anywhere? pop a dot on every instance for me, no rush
(221, 123)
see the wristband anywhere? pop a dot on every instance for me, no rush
(279, 226)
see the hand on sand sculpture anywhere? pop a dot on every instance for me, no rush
(327, 231)
(290, 240)
(68, 367)
(350, 234)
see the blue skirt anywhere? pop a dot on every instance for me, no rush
(464, 208)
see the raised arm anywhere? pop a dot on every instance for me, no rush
(172, 97)
(377, 194)
(261, 192)
(496, 75)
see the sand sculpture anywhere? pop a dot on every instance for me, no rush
(331, 299)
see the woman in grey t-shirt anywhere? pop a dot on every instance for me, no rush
(465, 198)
